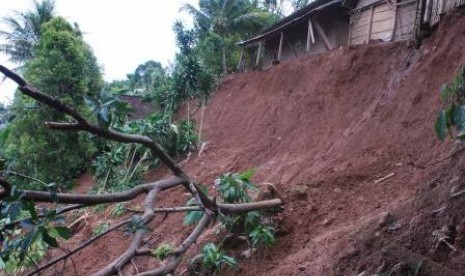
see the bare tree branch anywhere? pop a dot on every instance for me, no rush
(67, 198)
(181, 250)
(170, 209)
(58, 212)
(226, 208)
(131, 252)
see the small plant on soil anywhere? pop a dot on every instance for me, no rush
(118, 210)
(100, 228)
(253, 227)
(262, 235)
(163, 251)
(214, 259)
(451, 117)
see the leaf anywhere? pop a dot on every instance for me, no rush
(26, 242)
(445, 92)
(459, 117)
(247, 174)
(440, 125)
(450, 115)
(31, 208)
(27, 224)
(63, 232)
(49, 239)
(2, 264)
(192, 217)
(104, 117)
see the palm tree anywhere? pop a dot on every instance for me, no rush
(25, 31)
(226, 18)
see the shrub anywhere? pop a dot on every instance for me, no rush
(451, 117)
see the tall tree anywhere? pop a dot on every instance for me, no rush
(64, 65)
(146, 76)
(221, 23)
(25, 30)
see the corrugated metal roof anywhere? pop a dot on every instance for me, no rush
(291, 19)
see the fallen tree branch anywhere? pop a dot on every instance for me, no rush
(58, 212)
(181, 250)
(67, 198)
(131, 252)
(169, 209)
(227, 208)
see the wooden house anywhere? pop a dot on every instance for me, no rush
(318, 27)
(326, 24)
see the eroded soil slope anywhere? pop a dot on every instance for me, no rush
(323, 129)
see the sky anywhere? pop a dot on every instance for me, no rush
(122, 33)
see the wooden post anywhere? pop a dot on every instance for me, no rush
(428, 11)
(370, 26)
(259, 53)
(393, 34)
(310, 35)
(280, 49)
(323, 36)
(239, 65)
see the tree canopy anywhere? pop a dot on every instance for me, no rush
(25, 30)
(65, 66)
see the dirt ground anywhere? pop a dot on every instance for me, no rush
(323, 129)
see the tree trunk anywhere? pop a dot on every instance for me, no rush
(225, 66)
(201, 122)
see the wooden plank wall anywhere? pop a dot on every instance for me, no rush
(360, 24)
(372, 23)
(440, 7)
(405, 21)
(383, 21)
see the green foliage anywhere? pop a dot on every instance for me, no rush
(100, 228)
(451, 117)
(262, 235)
(146, 78)
(214, 258)
(234, 187)
(25, 243)
(221, 23)
(99, 208)
(63, 66)
(192, 217)
(136, 224)
(108, 109)
(25, 31)
(118, 210)
(163, 251)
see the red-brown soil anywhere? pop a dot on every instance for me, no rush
(323, 128)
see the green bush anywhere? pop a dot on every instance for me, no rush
(214, 259)
(451, 117)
